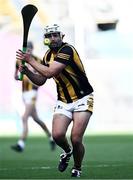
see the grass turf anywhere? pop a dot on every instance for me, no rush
(107, 157)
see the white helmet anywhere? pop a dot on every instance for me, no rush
(51, 29)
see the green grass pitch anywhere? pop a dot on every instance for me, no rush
(107, 157)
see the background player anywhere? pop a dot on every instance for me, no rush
(29, 94)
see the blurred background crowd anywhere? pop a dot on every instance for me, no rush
(102, 32)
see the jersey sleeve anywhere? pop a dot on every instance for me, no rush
(44, 62)
(64, 55)
(45, 58)
(17, 64)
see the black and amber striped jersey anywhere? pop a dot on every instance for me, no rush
(27, 85)
(72, 83)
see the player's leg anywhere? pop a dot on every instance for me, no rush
(19, 147)
(40, 122)
(59, 129)
(44, 127)
(26, 115)
(80, 122)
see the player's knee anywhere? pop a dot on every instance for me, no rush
(58, 136)
(24, 118)
(76, 139)
(37, 120)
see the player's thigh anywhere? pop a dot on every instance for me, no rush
(34, 113)
(28, 110)
(60, 124)
(80, 122)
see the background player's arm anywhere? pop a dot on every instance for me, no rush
(16, 70)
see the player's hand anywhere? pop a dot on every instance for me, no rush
(16, 77)
(23, 69)
(22, 56)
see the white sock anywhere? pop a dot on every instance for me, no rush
(21, 143)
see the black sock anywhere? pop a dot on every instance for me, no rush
(68, 150)
(77, 167)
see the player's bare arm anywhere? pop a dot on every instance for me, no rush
(36, 78)
(53, 70)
